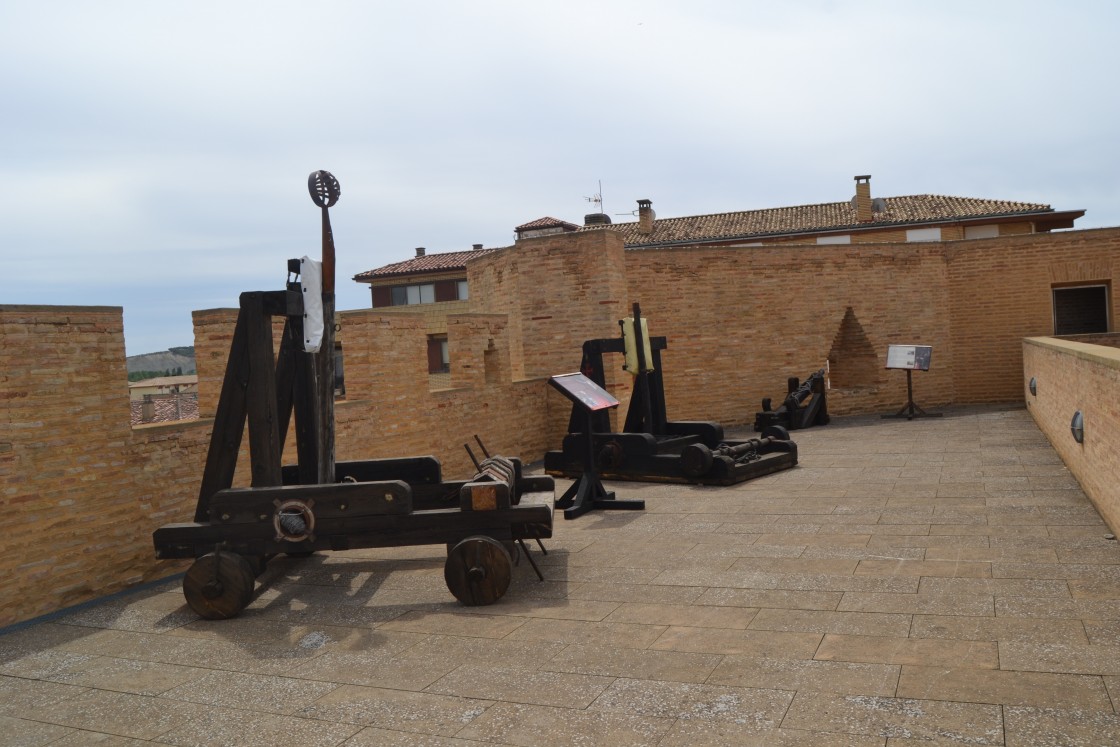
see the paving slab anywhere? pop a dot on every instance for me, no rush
(909, 584)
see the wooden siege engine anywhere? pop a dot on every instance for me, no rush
(319, 504)
(650, 447)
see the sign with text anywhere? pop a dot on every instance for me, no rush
(912, 357)
(583, 392)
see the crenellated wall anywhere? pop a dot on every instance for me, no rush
(81, 490)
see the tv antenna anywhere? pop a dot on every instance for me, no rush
(597, 198)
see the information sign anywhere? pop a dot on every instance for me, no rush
(910, 357)
(583, 391)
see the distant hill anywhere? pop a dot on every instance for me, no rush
(171, 362)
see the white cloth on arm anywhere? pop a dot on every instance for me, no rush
(311, 278)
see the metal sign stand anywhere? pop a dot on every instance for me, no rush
(587, 492)
(910, 358)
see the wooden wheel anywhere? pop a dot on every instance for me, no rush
(478, 571)
(219, 585)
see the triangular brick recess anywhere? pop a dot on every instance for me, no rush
(852, 361)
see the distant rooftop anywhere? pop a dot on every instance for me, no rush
(756, 225)
(423, 263)
(831, 216)
(182, 380)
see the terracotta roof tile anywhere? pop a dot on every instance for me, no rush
(428, 263)
(167, 408)
(751, 224)
(829, 216)
(547, 222)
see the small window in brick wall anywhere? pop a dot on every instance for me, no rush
(1081, 309)
(438, 359)
(923, 234)
(423, 293)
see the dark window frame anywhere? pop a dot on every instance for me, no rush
(1063, 314)
(439, 358)
(397, 295)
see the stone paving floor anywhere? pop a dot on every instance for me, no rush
(934, 582)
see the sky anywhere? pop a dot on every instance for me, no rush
(155, 155)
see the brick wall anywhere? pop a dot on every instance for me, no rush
(1001, 293)
(80, 490)
(1073, 376)
(84, 490)
(739, 322)
(389, 411)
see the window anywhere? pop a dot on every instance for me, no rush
(842, 239)
(981, 232)
(420, 293)
(923, 234)
(1080, 309)
(438, 359)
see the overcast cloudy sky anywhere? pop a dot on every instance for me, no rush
(154, 155)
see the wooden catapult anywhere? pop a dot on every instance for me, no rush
(319, 504)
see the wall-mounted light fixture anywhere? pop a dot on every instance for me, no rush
(1077, 427)
(1033, 386)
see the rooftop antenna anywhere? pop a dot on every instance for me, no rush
(597, 198)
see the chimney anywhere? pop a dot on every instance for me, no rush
(476, 247)
(596, 219)
(419, 251)
(645, 217)
(862, 200)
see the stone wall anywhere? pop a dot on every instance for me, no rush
(739, 322)
(1074, 376)
(742, 320)
(80, 490)
(1001, 292)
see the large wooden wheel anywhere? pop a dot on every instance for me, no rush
(478, 571)
(219, 585)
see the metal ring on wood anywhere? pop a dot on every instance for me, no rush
(294, 521)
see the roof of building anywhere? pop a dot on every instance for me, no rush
(427, 263)
(829, 216)
(546, 222)
(181, 380)
(747, 225)
(165, 409)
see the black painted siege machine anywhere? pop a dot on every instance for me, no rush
(805, 405)
(319, 504)
(651, 447)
